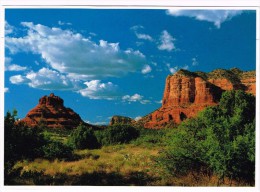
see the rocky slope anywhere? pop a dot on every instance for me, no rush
(186, 93)
(51, 112)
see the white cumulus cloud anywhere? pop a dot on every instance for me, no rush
(73, 54)
(166, 41)
(97, 90)
(146, 69)
(135, 98)
(46, 79)
(6, 89)
(17, 79)
(12, 67)
(214, 16)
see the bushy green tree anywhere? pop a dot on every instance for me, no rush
(220, 140)
(83, 137)
(55, 149)
(117, 134)
(20, 142)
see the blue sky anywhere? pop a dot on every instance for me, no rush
(106, 62)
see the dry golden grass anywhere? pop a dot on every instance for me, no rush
(119, 158)
(128, 164)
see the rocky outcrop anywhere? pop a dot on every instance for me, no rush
(51, 112)
(186, 93)
(121, 120)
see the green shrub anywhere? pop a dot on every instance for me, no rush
(117, 134)
(55, 149)
(83, 137)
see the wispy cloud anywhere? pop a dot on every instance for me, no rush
(13, 67)
(64, 23)
(9, 29)
(97, 123)
(146, 69)
(214, 16)
(166, 41)
(139, 34)
(172, 69)
(194, 61)
(175, 68)
(158, 102)
(144, 36)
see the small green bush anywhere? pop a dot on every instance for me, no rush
(117, 134)
(55, 149)
(83, 137)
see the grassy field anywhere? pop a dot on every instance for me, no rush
(118, 165)
(111, 165)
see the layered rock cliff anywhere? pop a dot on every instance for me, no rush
(121, 120)
(51, 112)
(186, 93)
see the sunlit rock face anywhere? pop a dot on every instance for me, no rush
(186, 93)
(51, 112)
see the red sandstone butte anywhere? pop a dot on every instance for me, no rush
(50, 112)
(186, 93)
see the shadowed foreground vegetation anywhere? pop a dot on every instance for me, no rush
(217, 148)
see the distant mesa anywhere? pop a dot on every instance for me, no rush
(121, 120)
(50, 112)
(186, 93)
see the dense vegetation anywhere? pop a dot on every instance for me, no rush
(117, 134)
(220, 141)
(216, 148)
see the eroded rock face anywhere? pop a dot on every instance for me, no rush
(51, 112)
(186, 93)
(120, 120)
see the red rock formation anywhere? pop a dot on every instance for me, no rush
(250, 85)
(121, 120)
(50, 112)
(187, 93)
